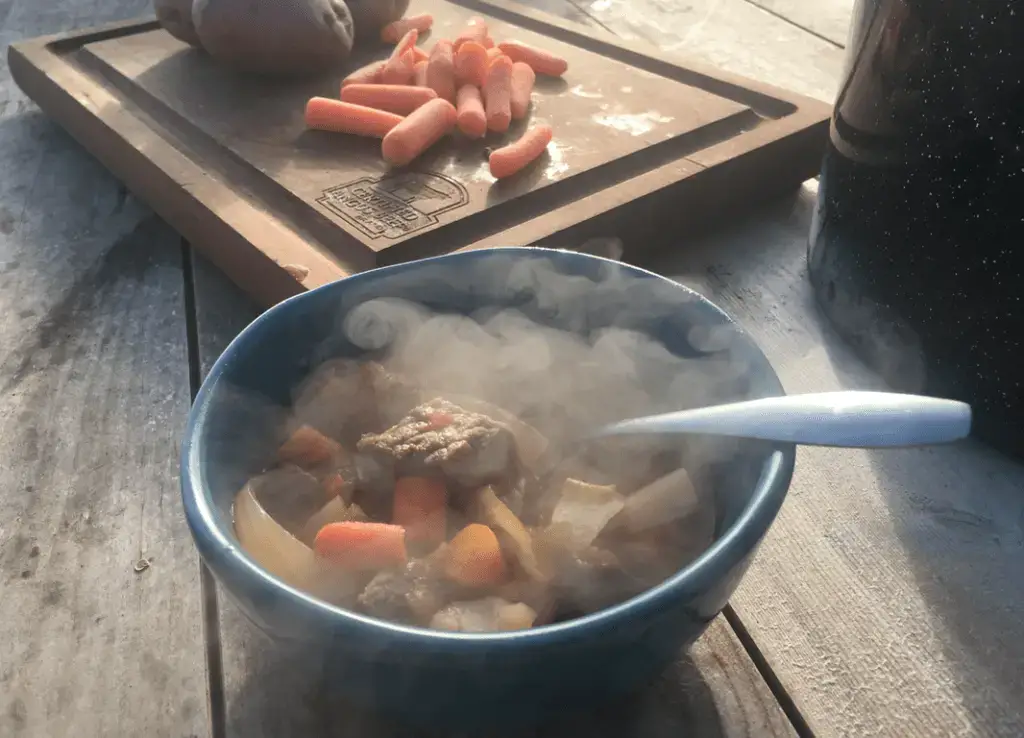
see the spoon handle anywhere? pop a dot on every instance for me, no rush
(849, 419)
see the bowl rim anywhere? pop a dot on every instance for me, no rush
(703, 573)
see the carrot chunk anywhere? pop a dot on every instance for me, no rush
(497, 95)
(420, 54)
(476, 30)
(493, 53)
(361, 546)
(473, 557)
(398, 70)
(523, 78)
(419, 75)
(418, 132)
(419, 507)
(307, 447)
(441, 70)
(367, 75)
(471, 64)
(323, 114)
(542, 62)
(470, 108)
(406, 43)
(398, 99)
(392, 32)
(509, 160)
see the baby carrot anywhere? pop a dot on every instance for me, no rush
(367, 75)
(542, 62)
(419, 74)
(420, 54)
(474, 557)
(323, 114)
(419, 507)
(398, 99)
(393, 31)
(487, 43)
(493, 53)
(514, 157)
(523, 78)
(476, 30)
(418, 132)
(361, 546)
(497, 95)
(398, 70)
(471, 64)
(471, 119)
(441, 70)
(406, 43)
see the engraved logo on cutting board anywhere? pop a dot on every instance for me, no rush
(395, 205)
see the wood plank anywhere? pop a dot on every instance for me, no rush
(887, 595)
(829, 19)
(94, 388)
(733, 35)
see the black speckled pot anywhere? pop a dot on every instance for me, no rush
(917, 245)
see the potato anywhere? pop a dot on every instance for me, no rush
(370, 16)
(275, 37)
(176, 18)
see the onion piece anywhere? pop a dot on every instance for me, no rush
(511, 531)
(583, 510)
(487, 614)
(665, 500)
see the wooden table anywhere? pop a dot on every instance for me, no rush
(887, 600)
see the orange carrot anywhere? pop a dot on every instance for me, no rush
(307, 447)
(393, 31)
(523, 78)
(510, 159)
(441, 70)
(493, 53)
(471, 64)
(406, 43)
(418, 132)
(420, 54)
(487, 43)
(476, 30)
(419, 74)
(323, 114)
(497, 95)
(398, 99)
(419, 507)
(542, 62)
(471, 119)
(473, 557)
(398, 70)
(367, 75)
(361, 546)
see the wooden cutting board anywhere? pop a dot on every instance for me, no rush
(646, 148)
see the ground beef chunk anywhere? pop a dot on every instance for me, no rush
(410, 595)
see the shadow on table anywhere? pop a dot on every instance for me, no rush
(282, 693)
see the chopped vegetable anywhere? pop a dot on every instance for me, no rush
(418, 132)
(307, 447)
(474, 557)
(341, 117)
(419, 74)
(471, 64)
(441, 70)
(481, 616)
(362, 546)
(399, 69)
(523, 78)
(542, 62)
(392, 32)
(493, 53)
(516, 156)
(476, 30)
(398, 99)
(471, 119)
(516, 538)
(497, 95)
(583, 510)
(420, 504)
(367, 75)
(273, 547)
(670, 498)
(335, 511)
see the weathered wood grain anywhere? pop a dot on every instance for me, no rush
(887, 597)
(733, 35)
(829, 19)
(93, 395)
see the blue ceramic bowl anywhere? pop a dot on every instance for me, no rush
(459, 679)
